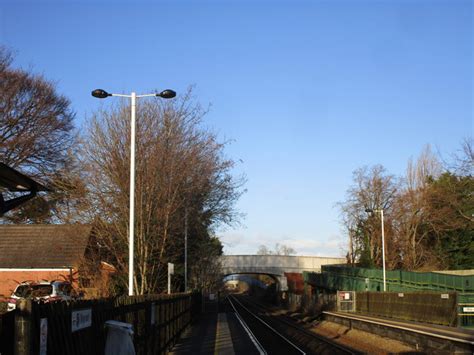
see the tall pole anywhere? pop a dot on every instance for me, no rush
(169, 280)
(102, 94)
(170, 272)
(186, 249)
(132, 195)
(383, 254)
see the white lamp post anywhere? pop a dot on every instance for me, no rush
(186, 249)
(170, 272)
(102, 94)
(368, 210)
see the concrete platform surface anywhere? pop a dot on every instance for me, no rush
(441, 330)
(215, 333)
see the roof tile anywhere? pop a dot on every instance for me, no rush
(42, 246)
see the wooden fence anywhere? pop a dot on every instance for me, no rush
(79, 327)
(7, 321)
(427, 307)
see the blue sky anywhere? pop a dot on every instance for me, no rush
(307, 90)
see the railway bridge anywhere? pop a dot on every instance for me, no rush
(275, 265)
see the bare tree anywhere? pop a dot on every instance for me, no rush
(279, 249)
(410, 212)
(179, 165)
(373, 189)
(206, 268)
(463, 160)
(35, 122)
(36, 137)
(263, 250)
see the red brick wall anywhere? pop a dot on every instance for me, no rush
(9, 279)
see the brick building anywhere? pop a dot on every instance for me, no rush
(50, 252)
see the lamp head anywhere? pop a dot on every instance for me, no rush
(100, 94)
(167, 94)
(369, 210)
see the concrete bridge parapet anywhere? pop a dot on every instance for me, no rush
(275, 264)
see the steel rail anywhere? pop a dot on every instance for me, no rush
(252, 336)
(340, 347)
(268, 326)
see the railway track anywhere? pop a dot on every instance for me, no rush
(272, 335)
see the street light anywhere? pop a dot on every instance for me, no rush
(369, 210)
(186, 210)
(186, 248)
(102, 94)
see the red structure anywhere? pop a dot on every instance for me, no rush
(295, 282)
(50, 252)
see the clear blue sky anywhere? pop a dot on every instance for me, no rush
(308, 90)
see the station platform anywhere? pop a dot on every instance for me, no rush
(460, 334)
(215, 333)
(428, 336)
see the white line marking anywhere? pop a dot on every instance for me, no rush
(34, 269)
(275, 331)
(255, 342)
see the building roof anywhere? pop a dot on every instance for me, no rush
(13, 180)
(42, 246)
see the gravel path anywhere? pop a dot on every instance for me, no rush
(360, 340)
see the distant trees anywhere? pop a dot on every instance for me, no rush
(179, 167)
(205, 265)
(428, 214)
(37, 137)
(279, 249)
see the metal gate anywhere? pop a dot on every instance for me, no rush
(466, 310)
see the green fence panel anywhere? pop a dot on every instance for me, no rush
(438, 282)
(460, 283)
(435, 281)
(343, 277)
(469, 284)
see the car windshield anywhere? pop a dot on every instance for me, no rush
(21, 290)
(26, 291)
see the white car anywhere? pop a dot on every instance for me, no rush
(47, 291)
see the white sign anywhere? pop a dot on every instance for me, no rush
(153, 309)
(81, 319)
(401, 295)
(43, 336)
(347, 296)
(468, 309)
(445, 296)
(212, 297)
(283, 283)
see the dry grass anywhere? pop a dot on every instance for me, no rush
(360, 340)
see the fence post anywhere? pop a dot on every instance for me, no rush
(148, 326)
(23, 333)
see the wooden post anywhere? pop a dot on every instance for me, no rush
(148, 326)
(23, 333)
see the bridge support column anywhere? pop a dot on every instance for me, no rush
(282, 284)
